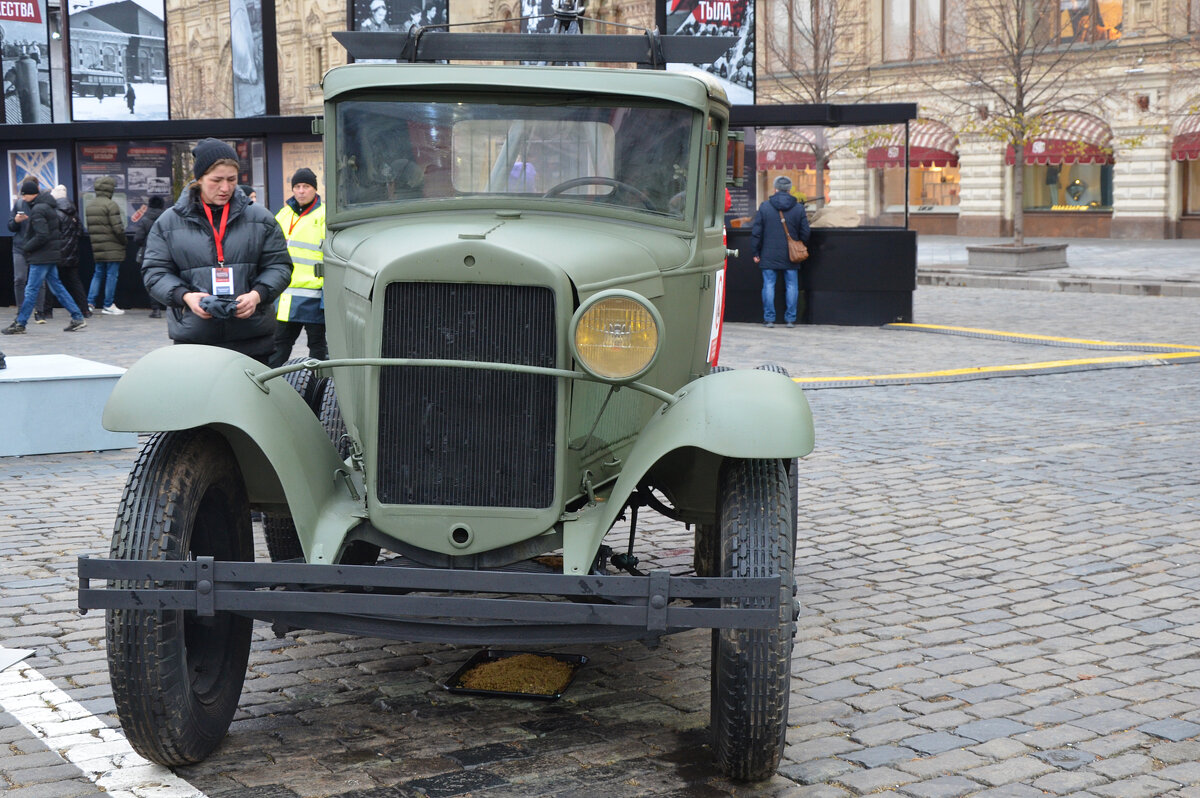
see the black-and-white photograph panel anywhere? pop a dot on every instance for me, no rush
(735, 69)
(25, 62)
(397, 15)
(118, 59)
(540, 9)
(246, 49)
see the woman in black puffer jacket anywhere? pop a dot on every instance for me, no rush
(188, 260)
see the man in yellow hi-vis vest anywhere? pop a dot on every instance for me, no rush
(302, 305)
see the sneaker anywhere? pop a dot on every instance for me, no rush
(769, 324)
(76, 324)
(156, 314)
(14, 329)
(791, 324)
(91, 306)
(112, 310)
(38, 318)
(87, 314)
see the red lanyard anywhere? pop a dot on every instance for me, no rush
(218, 235)
(311, 205)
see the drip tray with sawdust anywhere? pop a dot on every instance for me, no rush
(516, 674)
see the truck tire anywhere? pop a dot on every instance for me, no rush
(793, 466)
(706, 547)
(177, 677)
(280, 532)
(282, 541)
(751, 668)
(330, 413)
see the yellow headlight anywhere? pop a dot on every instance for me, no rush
(616, 337)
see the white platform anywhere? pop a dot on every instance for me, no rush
(53, 403)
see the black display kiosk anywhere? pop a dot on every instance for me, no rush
(863, 276)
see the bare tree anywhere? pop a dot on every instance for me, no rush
(1028, 63)
(818, 51)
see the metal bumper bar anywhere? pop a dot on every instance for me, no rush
(409, 594)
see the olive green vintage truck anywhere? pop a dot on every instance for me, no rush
(523, 284)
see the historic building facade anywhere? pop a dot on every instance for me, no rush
(1111, 131)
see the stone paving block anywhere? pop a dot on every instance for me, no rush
(1017, 769)
(942, 787)
(874, 780)
(1068, 782)
(1066, 758)
(990, 729)
(817, 770)
(1174, 753)
(880, 755)
(1143, 786)
(1186, 773)
(1171, 729)
(1109, 722)
(936, 742)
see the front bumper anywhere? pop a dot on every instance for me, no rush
(426, 604)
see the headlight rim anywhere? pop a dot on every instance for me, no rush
(601, 296)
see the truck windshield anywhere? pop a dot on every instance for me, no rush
(569, 151)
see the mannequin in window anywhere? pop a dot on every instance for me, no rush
(1052, 175)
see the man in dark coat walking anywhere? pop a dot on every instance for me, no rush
(216, 261)
(769, 243)
(43, 252)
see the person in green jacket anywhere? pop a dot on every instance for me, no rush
(102, 216)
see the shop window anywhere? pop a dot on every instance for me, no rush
(804, 183)
(1191, 187)
(932, 189)
(917, 29)
(1089, 20)
(1068, 187)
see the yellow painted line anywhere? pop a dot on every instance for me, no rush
(1048, 364)
(1037, 337)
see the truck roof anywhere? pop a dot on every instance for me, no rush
(695, 89)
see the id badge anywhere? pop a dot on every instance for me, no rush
(222, 281)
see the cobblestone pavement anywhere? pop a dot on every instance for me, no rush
(999, 581)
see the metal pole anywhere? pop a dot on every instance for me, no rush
(906, 177)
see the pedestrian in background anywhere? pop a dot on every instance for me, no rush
(104, 224)
(42, 252)
(249, 191)
(216, 261)
(137, 233)
(70, 231)
(18, 224)
(769, 242)
(302, 304)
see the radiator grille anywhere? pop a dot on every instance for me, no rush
(467, 437)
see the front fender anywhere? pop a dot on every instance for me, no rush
(282, 449)
(744, 414)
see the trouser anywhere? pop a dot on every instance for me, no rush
(45, 273)
(286, 333)
(69, 275)
(21, 277)
(791, 279)
(106, 272)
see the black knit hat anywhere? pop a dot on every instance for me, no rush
(305, 175)
(29, 187)
(208, 152)
(156, 202)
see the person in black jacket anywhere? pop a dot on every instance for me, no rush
(769, 244)
(71, 229)
(216, 261)
(43, 252)
(138, 232)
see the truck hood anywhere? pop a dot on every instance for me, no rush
(594, 254)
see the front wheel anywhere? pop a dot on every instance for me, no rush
(751, 668)
(176, 677)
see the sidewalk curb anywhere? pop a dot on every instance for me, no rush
(1082, 283)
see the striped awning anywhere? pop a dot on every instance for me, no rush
(1186, 144)
(782, 148)
(930, 144)
(1068, 138)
